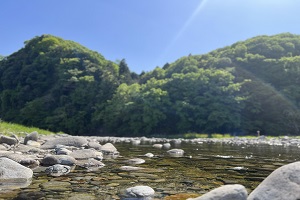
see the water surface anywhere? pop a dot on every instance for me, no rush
(204, 166)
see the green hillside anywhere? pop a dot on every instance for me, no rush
(60, 85)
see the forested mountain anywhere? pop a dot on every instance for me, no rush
(59, 85)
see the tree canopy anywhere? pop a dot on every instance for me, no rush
(60, 85)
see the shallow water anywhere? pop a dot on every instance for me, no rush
(204, 166)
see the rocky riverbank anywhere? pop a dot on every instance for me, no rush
(52, 163)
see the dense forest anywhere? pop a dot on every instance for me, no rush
(60, 85)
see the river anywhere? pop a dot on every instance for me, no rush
(204, 166)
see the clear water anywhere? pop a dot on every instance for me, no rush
(204, 167)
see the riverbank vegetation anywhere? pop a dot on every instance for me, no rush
(59, 85)
(13, 128)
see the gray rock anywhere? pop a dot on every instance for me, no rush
(94, 145)
(34, 136)
(9, 140)
(26, 160)
(226, 192)
(10, 169)
(62, 151)
(75, 141)
(138, 193)
(176, 152)
(283, 183)
(58, 159)
(58, 170)
(109, 151)
(84, 154)
(91, 164)
(28, 149)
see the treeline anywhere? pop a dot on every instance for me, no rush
(60, 85)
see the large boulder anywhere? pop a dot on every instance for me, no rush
(226, 192)
(75, 141)
(283, 183)
(11, 170)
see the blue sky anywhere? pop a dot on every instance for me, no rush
(147, 33)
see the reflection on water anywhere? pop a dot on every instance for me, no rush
(203, 167)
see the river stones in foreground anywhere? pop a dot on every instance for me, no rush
(226, 192)
(283, 183)
(138, 193)
(10, 169)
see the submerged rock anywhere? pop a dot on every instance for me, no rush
(135, 161)
(138, 193)
(283, 183)
(176, 152)
(58, 170)
(226, 192)
(130, 168)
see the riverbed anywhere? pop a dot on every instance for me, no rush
(205, 165)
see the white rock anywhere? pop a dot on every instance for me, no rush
(58, 170)
(157, 146)
(135, 161)
(139, 192)
(283, 183)
(149, 155)
(10, 169)
(176, 152)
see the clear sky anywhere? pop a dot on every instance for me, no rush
(147, 33)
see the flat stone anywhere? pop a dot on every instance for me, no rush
(75, 141)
